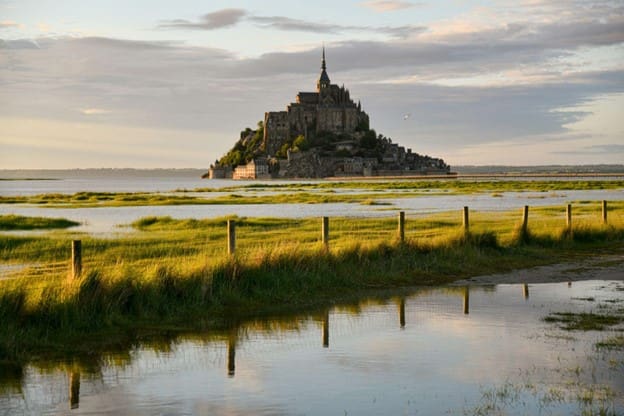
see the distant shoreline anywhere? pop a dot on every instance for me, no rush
(477, 176)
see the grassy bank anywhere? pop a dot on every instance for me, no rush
(450, 185)
(18, 222)
(175, 273)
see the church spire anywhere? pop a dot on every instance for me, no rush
(323, 81)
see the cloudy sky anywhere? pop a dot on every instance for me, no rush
(150, 83)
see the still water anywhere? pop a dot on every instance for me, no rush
(454, 350)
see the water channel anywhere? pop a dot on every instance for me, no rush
(453, 350)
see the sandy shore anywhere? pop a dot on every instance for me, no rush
(601, 267)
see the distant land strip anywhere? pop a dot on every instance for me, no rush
(480, 176)
(30, 179)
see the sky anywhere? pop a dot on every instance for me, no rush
(162, 84)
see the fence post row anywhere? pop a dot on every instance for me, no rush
(76, 259)
(231, 236)
(76, 246)
(402, 226)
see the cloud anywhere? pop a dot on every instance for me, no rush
(19, 44)
(210, 21)
(7, 24)
(231, 17)
(93, 111)
(388, 5)
(44, 27)
(288, 24)
(600, 149)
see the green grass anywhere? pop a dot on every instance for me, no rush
(175, 273)
(112, 199)
(455, 185)
(584, 321)
(18, 222)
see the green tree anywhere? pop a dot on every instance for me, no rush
(369, 140)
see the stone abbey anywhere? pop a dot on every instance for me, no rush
(322, 134)
(329, 109)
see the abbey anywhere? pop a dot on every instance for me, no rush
(323, 133)
(329, 109)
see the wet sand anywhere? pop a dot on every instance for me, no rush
(600, 267)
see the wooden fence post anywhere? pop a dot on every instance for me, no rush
(325, 231)
(466, 220)
(76, 259)
(604, 211)
(525, 219)
(569, 216)
(231, 236)
(402, 226)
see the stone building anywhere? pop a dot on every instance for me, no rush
(329, 109)
(257, 168)
(219, 171)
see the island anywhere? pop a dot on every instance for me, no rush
(322, 134)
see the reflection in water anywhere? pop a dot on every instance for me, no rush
(74, 389)
(326, 330)
(231, 353)
(368, 370)
(402, 312)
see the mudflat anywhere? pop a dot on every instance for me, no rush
(599, 267)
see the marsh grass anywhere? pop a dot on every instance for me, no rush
(450, 184)
(612, 343)
(19, 222)
(584, 321)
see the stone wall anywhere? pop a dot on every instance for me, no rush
(276, 131)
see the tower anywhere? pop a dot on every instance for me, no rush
(323, 81)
